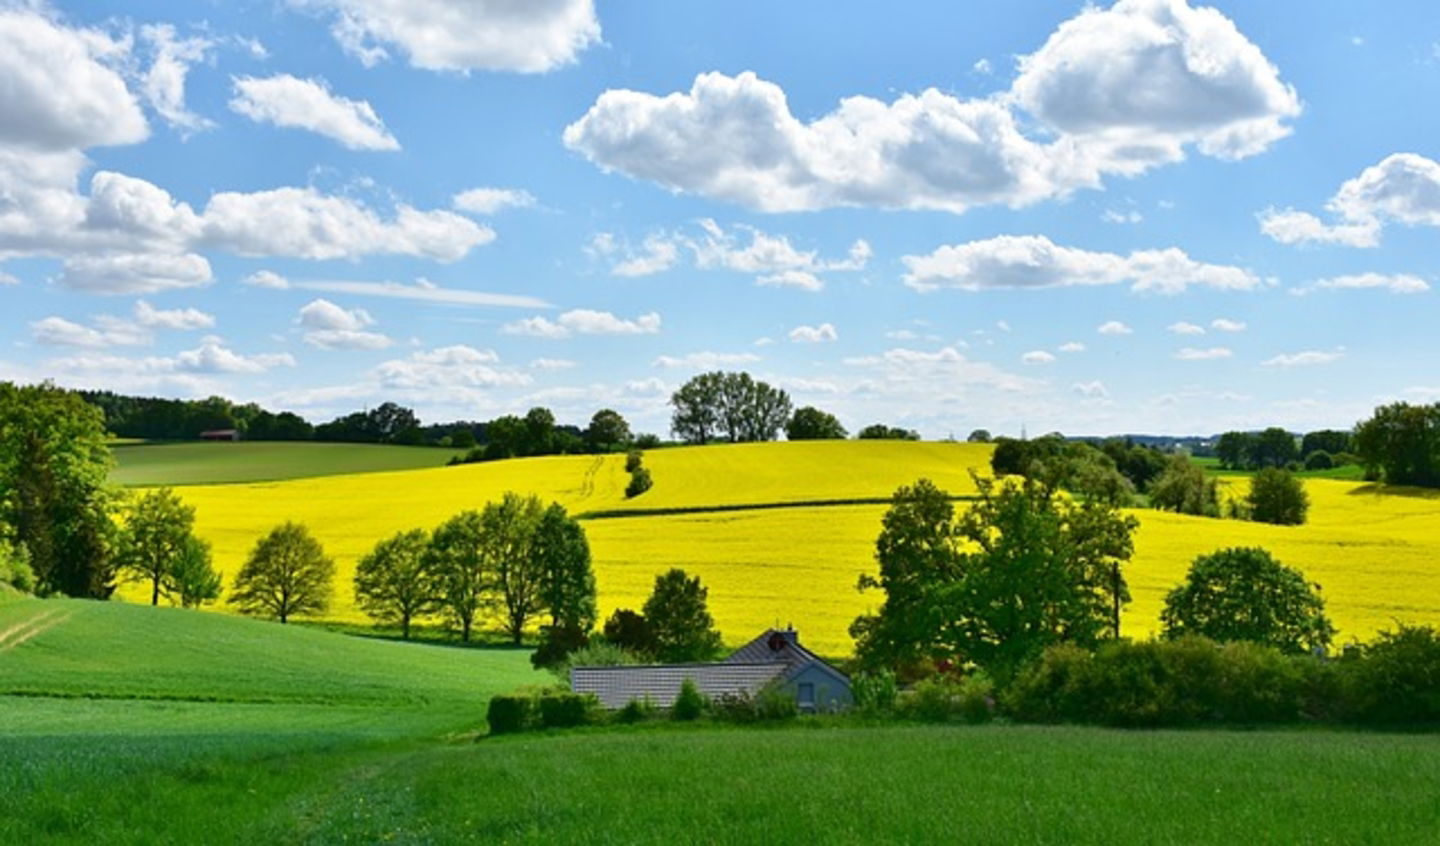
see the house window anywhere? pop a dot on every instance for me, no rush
(806, 699)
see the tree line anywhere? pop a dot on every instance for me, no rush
(737, 408)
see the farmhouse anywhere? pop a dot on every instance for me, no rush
(775, 660)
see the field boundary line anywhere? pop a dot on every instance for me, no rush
(618, 513)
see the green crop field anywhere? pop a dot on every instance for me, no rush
(199, 463)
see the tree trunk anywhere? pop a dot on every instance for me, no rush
(465, 630)
(405, 626)
(155, 591)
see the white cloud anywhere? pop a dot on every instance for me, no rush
(706, 360)
(1072, 347)
(582, 321)
(421, 291)
(1223, 324)
(1132, 216)
(61, 88)
(802, 279)
(1115, 91)
(179, 319)
(1402, 188)
(290, 102)
(164, 83)
(982, 67)
(773, 259)
(7, 279)
(530, 36)
(330, 327)
(1197, 354)
(267, 279)
(131, 273)
(1396, 283)
(657, 255)
(1090, 390)
(212, 356)
(1038, 357)
(823, 333)
(1304, 359)
(551, 364)
(1114, 327)
(1185, 328)
(1034, 261)
(491, 200)
(910, 371)
(57, 331)
(453, 367)
(303, 223)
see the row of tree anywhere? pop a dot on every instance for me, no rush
(737, 408)
(1400, 443)
(1275, 447)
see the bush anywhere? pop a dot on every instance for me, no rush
(690, 704)
(1048, 689)
(1258, 684)
(557, 643)
(933, 700)
(770, 704)
(636, 711)
(630, 631)
(874, 693)
(1396, 678)
(1245, 594)
(633, 459)
(509, 714)
(1184, 488)
(566, 710)
(15, 567)
(1277, 497)
(640, 482)
(976, 698)
(646, 440)
(597, 653)
(1319, 460)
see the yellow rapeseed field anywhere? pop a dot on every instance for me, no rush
(1376, 555)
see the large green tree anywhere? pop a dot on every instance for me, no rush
(191, 578)
(393, 583)
(1276, 496)
(1023, 568)
(567, 590)
(732, 406)
(679, 619)
(53, 491)
(508, 539)
(1184, 488)
(812, 424)
(1245, 594)
(607, 431)
(1402, 442)
(456, 556)
(158, 527)
(287, 573)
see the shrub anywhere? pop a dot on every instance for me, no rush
(976, 698)
(1277, 497)
(1319, 460)
(1396, 679)
(1258, 684)
(565, 710)
(637, 710)
(1245, 594)
(1184, 488)
(509, 714)
(557, 644)
(15, 567)
(690, 704)
(630, 631)
(645, 440)
(597, 653)
(874, 693)
(1047, 690)
(640, 482)
(933, 700)
(633, 459)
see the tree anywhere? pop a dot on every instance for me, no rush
(286, 574)
(54, 495)
(630, 631)
(456, 559)
(979, 436)
(607, 431)
(1274, 447)
(507, 540)
(881, 432)
(1185, 489)
(812, 424)
(393, 583)
(1276, 496)
(730, 405)
(697, 408)
(191, 578)
(1235, 450)
(1024, 568)
(1332, 441)
(679, 620)
(1402, 441)
(15, 567)
(539, 432)
(505, 437)
(567, 589)
(1245, 594)
(157, 529)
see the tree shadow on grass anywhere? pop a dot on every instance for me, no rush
(1379, 489)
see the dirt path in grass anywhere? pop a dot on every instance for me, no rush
(27, 629)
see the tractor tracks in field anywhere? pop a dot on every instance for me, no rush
(587, 482)
(30, 628)
(683, 510)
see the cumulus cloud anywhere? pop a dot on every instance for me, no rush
(1114, 327)
(1038, 357)
(132, 273)
(1114, 91)
(905, 370)
(330, 327)
(453, 367)
(1402, 188)
(706, 360)
(267, 279)
(164, 82)
(551, 364)
(1395, 283)
(1307, 358)
(1185, 328)
(582, 321)
(1090, 390)
(1223, 324)
(178, 318)
(823, 333)
(57, 331)
(290, 102)
(1072, 347)
(212, 356)
(441, 35)
(1207, 354)
(1034, 261)
(491, 200)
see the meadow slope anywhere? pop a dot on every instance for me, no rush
(1375, 552)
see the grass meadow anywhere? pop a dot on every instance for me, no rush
(793, 540)
(140, 463)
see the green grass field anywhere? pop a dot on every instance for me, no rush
(1346, 473)
(201, 463)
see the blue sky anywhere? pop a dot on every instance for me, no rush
(1146, 217)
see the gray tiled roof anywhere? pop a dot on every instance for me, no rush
(774, 645)
(616, 687)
